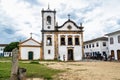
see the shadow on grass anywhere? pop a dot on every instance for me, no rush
(34, 70)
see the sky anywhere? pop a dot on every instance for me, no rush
(18, 18)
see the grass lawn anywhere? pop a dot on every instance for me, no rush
(5, 58)
(5, 69)
(33, 70)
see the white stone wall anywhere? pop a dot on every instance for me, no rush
(74, 28)
(63, 49)
(78, 53)
(25, 50)
(51, 48)
(7, 54)
(115, 46)
(52, 21)
(1, 50)
(104, 48)
(100, 48)
(66, 38)
(31, 42)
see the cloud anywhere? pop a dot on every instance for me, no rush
(118, 21)
(18, 18)
(90, 7)
(17, 15)
(32, 2)
(9, 31)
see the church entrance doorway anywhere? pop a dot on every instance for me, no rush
(118, 54)
(30, 55)
(70, 54)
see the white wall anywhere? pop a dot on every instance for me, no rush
(7, 54)
(115, 46)
(1, 50)
(100, 48)
(104, 48)
(78, 53)
(65, 27)
(25, 50)
(52, 21)
(63, 49)
(51, 48)
(31, 42)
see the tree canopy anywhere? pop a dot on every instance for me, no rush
(11, 46)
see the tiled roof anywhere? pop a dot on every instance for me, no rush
(97, 39)
(113, 33)
(3, 44)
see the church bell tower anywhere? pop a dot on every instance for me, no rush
(48, 29)
(48, 19)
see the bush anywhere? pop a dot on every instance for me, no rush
(34, 62)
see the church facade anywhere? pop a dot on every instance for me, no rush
(30, 49)
(63, 42)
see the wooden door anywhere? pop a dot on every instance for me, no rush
(70, 54)
(118, 54)
(30, 55)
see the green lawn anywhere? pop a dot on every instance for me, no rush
(5, 58)
(5, 68)
(33, 70)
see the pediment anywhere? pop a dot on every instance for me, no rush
(69, 26)
(30, 42)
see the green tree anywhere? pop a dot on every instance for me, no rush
(11, 46)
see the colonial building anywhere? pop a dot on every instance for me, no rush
(2, 53)
(2, 46)
(30, 49)
(96, 47)
(63, 42)
(114, 44)
(7, 54)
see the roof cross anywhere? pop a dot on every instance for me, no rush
(80, 24)
(68, 16)
(31, 34)
(48, 6)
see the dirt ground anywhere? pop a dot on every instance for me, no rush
(95, 70)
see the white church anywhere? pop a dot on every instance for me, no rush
(63, 42)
